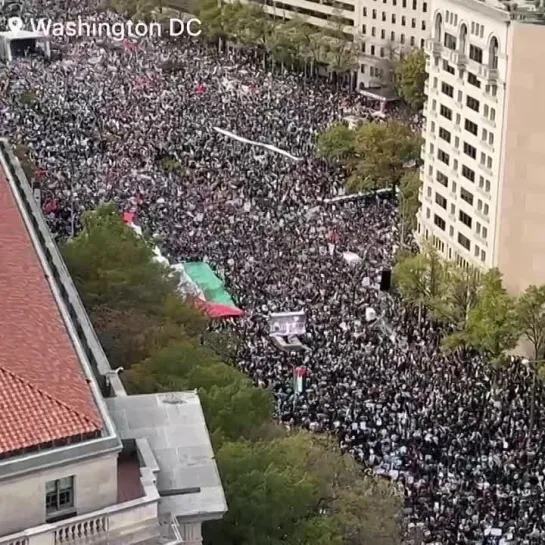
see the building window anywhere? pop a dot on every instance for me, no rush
(413, 23)
(472, 79)
(383, 16)
(412, 41)
(382, 34)
(362, 68)
(403, 20)
(441, 201)
(425, 7)
(441, 178)
(415, 4)
(382, 52)
(447, 89)
(373, 50)
(374, 14)
(464, 241)
(364, 29)
(393, 19)
(446, 112)
(59, 495)
(440, 222)
(373, 32)
(402, 38)
(468, 173)
(483, 256)
(466, 196)
(476, 54)
(365, 12)
(392, 36)
(471, 127)
(465, 219)
(473, 104)
(444, 134)
(470, 150)
(443, 157)
(449, 41)
(448, 68)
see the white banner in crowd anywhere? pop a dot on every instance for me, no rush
(351, 258)
(286, 324)
(253, 143)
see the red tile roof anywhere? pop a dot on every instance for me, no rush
(44, 395)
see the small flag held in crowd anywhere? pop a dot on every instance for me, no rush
(299, 376)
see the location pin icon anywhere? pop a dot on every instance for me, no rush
(15, 24)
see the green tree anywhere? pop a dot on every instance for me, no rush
(23, 153)
(492, 326)
(409, 187)
(233, 408)
(132, 300)
(337, 142)
(300, 489)
(458, 297)
(340, 52)
(384, 150)
(419, 278)
(410, 77)
(531, 319)
(111, 265)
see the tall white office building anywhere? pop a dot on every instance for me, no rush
(483, 194)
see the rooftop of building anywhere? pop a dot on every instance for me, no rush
(174, 426)
(524, 11)
(45, 398)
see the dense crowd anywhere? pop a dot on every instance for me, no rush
(134, 123)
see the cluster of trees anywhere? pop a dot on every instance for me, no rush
(281, 487)
(290, 43)
(378, 155)
(475, 307)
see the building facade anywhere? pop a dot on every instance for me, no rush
(482, 194)
(80, 460)
(389, 30)
(384, 30)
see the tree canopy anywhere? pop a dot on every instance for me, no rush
(410, 77)
(282, 488)
(492, 325)
(377, 155)
(290, 43)
(302, 486)
(338, 142)
(531, 319)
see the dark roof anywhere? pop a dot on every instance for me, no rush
(44, 395)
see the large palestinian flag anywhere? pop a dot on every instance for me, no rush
(198, 280)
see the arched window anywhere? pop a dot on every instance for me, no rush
(438, 33)
(493, 50)
(462, 41)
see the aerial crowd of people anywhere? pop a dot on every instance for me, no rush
(135, 123)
